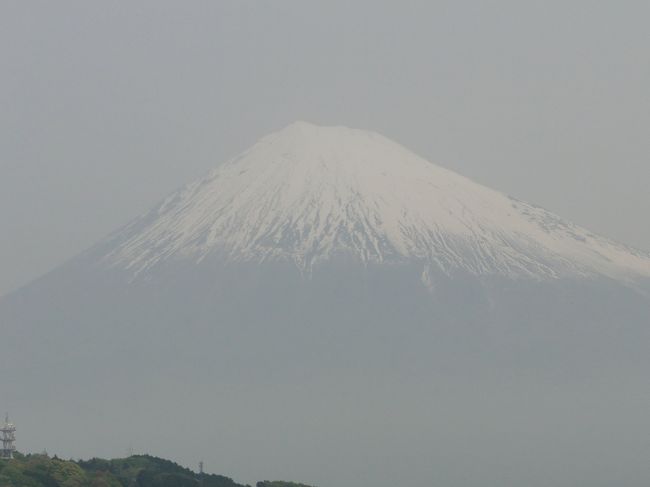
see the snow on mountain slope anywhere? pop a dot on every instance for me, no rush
(308, 193)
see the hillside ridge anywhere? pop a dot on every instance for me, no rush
(41, 470)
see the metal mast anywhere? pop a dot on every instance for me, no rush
(8, 432)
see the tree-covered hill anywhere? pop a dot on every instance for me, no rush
(135, 471)
(277, 483)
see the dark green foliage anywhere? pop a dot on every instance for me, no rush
(148, 471)
(134, 471)
(278, 483)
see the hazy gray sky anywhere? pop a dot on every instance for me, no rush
(107, 106)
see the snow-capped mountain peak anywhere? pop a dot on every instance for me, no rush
(308, 193)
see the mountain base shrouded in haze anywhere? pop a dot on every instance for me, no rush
(330, 306)
(134, 471)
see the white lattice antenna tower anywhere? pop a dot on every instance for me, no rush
(8, 432)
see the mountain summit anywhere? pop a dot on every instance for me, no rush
(307, 194)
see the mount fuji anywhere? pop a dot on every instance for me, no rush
(307, 194)
(326, 293)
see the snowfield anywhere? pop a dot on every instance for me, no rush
(308, 193)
